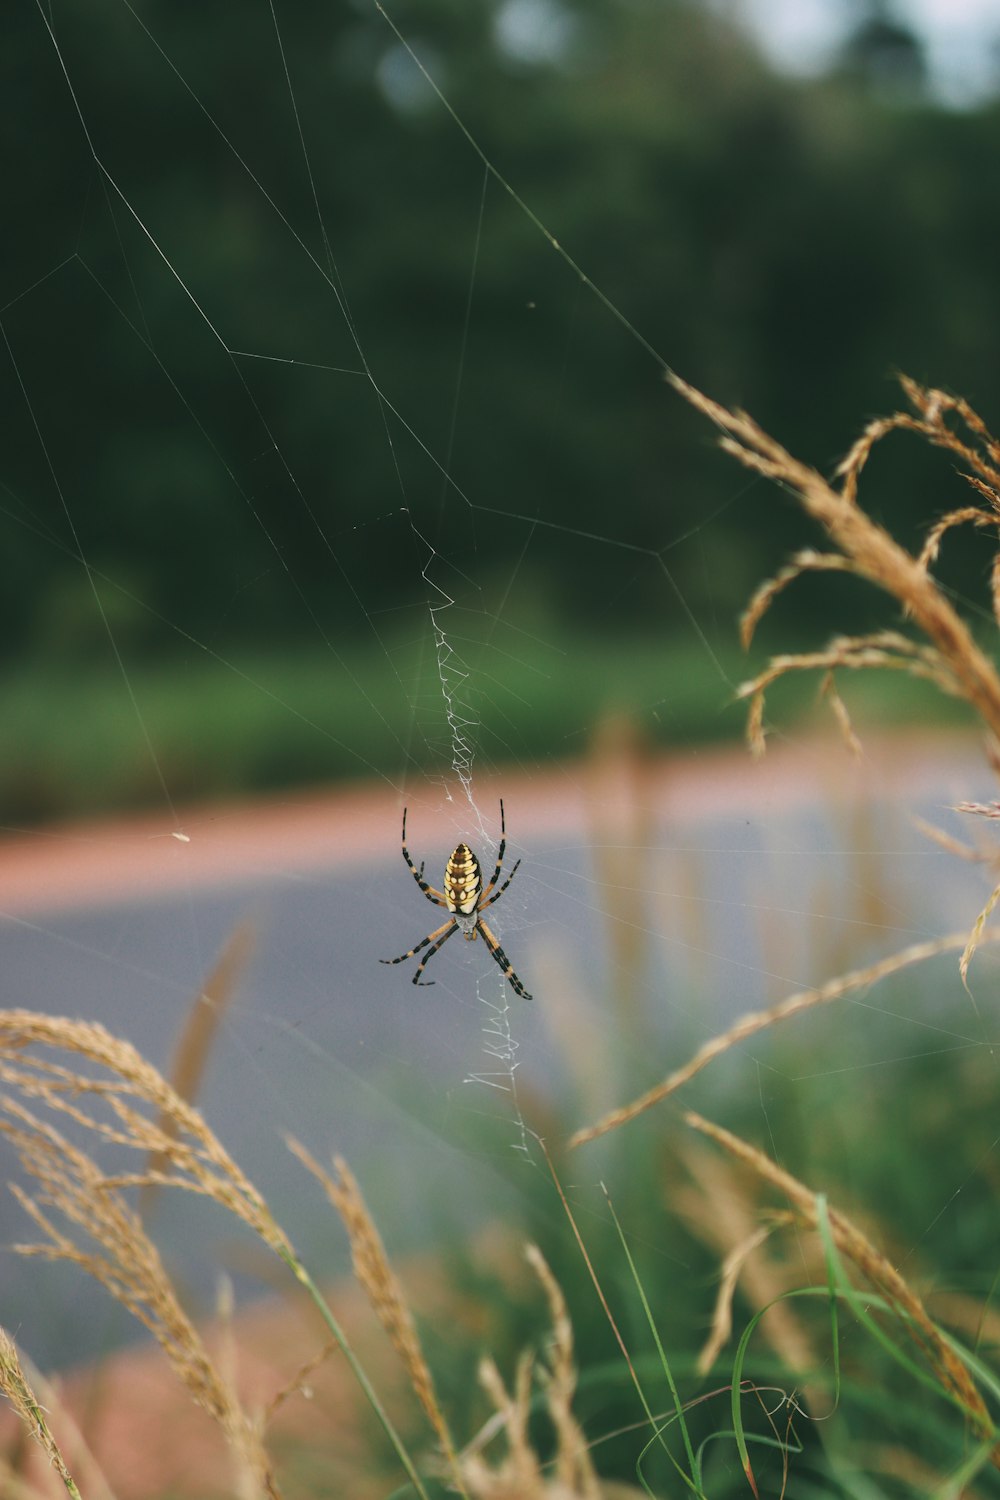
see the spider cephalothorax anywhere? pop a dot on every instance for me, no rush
(465, 898)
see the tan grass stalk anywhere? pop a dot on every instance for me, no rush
(855, 1247)
(91, 1479)
(196, 1160)
(29, 1409)
(884, 650)
(520, 1476)
(718, 1209)
(298, 1385)
(757, 1021)
(966, 515)
(125, 1109)
(976, 935)
(82, 1213)
(948, 842)
(382, 1288)
(574, 1470)
(722, 1317)
(618, 785)
(829, 691)
(973, 856)
(118, 1253)
(806, 561)
(995, 586)
(984, 810)
(912, 1474)
(980, 809)
(933, 406)
(194, 1045)
(872, 553)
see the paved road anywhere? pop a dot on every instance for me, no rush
(750, 882)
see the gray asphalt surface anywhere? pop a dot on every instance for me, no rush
(728, 908)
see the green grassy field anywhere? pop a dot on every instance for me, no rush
(82, 741)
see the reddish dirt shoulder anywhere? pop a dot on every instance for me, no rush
(230, 844)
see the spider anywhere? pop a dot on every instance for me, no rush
(465, 899)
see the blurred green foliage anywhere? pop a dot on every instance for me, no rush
(784, 245)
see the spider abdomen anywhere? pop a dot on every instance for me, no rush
(463, 881)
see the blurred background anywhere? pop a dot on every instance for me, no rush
(286, 364)
(339, 472)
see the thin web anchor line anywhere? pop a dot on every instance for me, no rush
(524, 207)
(460, 373)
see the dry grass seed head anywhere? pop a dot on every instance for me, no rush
(194, 1158)
(120, 1255)
(519, 1475)
(806, 561)
(574, 1470)
(868, 549)
(979, 809)
(976, 935)
(381, 1286)
(952, 661)
(31, 1478)
(82, 1213)
(29, 1409)
(884, 649)
(966, 515)
(982, 455)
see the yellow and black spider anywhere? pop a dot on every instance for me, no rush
(465, 898)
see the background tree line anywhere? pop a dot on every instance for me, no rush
(784, 244)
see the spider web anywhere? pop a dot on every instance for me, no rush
(690, 901)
